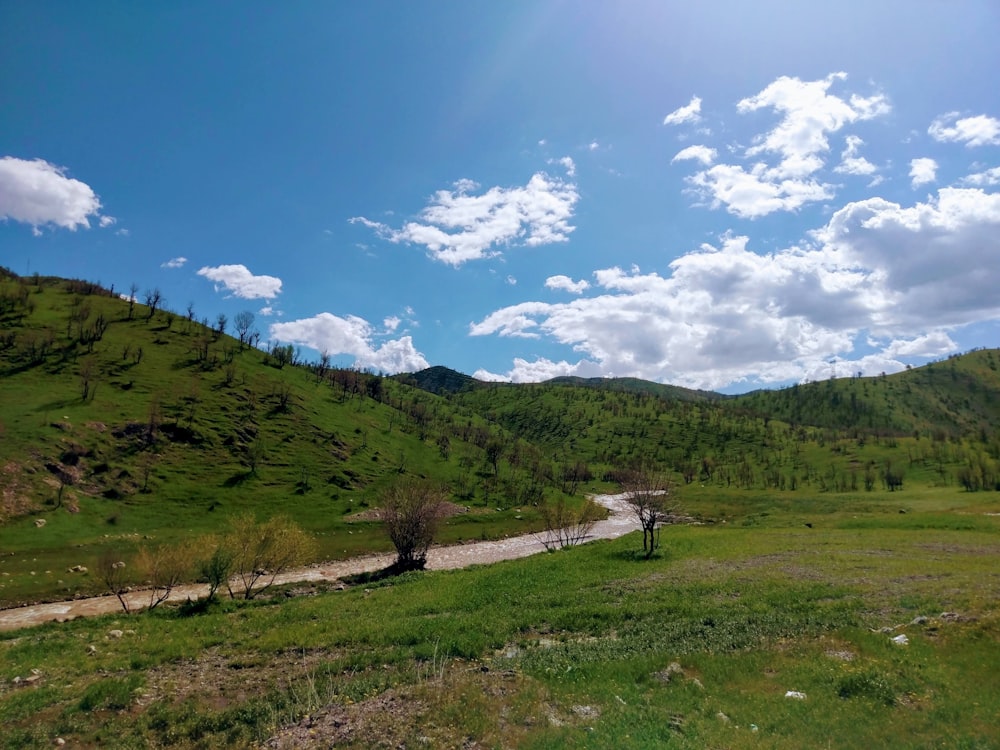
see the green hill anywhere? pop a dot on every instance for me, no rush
(123, 424)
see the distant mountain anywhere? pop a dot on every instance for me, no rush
(440, 380)
(635, 385)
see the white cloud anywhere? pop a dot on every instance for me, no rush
(354, 337)
(458, 226)
(391, 323)
(567, 163)
(809, 114)
(40, 194)
(783, 162)
(982, 179)
(540, 370)
(687, 113)
(238, 280)
(850, 162)
(980, 130)
(593, 146)
(267, 311)
(877, 274)
(704, 154)
(922, 171)
(567, 284)
(512, 281)
(174, 262)
(750, 195)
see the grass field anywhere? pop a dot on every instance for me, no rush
(586, 647)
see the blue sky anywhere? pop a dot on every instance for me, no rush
(721, 195)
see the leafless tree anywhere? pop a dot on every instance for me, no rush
(411, 511)
(132, 291)
(650, 496)
(152, 299)
(243, 322)
(220, 323)
(111, 570)
(566, 527)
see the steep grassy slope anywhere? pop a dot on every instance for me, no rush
(956, 398)
(118, 426)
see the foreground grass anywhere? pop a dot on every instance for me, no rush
(589, 647)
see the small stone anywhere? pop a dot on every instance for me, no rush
(901, 640)
(92, 650)
(60, 742)
(723, 718)
(921, 620)
(795, 694)
(39, 523)
(115, 634)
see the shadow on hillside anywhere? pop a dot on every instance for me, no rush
(237, 479)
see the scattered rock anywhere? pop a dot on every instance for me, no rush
(77, 569)
(723, 718)
(901, 640)
(115, 634)
(91, 650)
(587, 711)
(59, 742)
(665, 675)
(919, 620)
(40, 522)
(795, 694)
(843, 655)
(697, 683)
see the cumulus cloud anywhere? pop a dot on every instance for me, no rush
(458, 225)
(688, 113)
(352, 336)
(238, 280)
(922, 171)
(850, 162)
(567, 284)
(983, 179)
(40, 194)
(980, 130)
(704, 154)
(878, 274)
(783, 162)
(177, 262)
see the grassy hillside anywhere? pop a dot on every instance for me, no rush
(123, 426)
(120, 425)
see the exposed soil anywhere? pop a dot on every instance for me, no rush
(620, 521)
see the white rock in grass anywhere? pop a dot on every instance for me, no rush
(796, 695)
(901, 640)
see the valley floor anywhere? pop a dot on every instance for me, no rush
(620, 521)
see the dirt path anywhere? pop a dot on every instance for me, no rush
(620, 521)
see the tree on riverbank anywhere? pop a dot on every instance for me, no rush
(650, 496)
(411, 512)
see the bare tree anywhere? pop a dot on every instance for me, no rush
(111, 569)
(243, 322)
(411, 512)
(220, 323)
(132, 291)
(650, 496)
(152, 299)
(565, 527)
